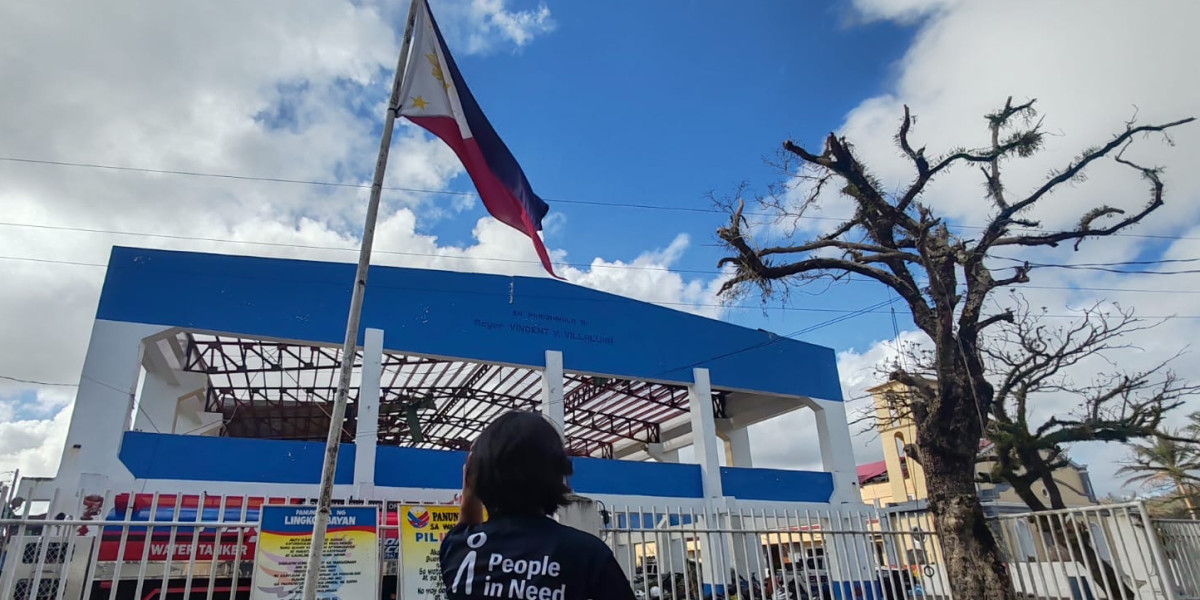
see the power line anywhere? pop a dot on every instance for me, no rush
(727, 306)
(1080, 266)
(1111, 267)
(1161, 261)
(790, 336)
(635, 205)
(683, 304)
(339, 248)
(340, 184)
(58, 163)
(1118, 271)
(53, 261)
(35, 382)
(847, 316)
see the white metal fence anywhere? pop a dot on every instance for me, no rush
(156, 546)
(1181, 550)
(779, 554)
(126, 546)
(1092, 552)
(1100, 552)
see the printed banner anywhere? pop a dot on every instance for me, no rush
(349, 566)
(421, 531)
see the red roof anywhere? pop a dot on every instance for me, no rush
(871, 470)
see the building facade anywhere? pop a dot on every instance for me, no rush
(900, 481)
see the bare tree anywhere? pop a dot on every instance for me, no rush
(945, 280)
(1033, 363)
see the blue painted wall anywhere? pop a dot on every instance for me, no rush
(418, 468)
(777, 485)
(463, 315)
(601, 476)
(201, 458)
(442, 469)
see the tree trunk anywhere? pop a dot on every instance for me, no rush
(973, 562)
(1186, 492)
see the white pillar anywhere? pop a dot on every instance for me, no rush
(158, 404)
(837, 451)
(659, 453)
(366, 431)
(552, 390)
(704, 432)
(103, 403)
(737, 447)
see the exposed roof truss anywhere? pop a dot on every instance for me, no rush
(284, 390)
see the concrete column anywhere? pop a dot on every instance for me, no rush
(103, 403)
(366, 432)
(158, 404)
(552, 390)
(582, 514)
(704, 432)
(737, 448)
(837, 451)
(716, 547)
(661, 454)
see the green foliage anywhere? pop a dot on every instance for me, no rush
(1163, 463)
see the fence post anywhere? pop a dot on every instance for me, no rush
(1156, 553)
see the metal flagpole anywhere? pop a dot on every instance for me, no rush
(350, 347)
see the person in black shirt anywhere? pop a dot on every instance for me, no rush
(518, 470)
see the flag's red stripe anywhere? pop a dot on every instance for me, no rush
(498, 199)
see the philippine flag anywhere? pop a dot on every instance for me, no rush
(434, 96)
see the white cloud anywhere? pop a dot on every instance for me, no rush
(904, 11)
(966, 60)
(1088, 67)
(648, 277)
(34, 445)
(483, 25)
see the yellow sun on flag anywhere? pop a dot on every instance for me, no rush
(437, 69)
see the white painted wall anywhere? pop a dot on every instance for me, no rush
(103, 404)
(158, 407)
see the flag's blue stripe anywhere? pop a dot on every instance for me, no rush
(501, 161)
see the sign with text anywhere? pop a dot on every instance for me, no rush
(349, 566)
(421, 532)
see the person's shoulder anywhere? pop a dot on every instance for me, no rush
(580, 540)
(457, 535)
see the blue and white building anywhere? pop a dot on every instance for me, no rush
(214, 374)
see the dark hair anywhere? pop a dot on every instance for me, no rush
(519, 466)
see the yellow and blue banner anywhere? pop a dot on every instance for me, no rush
(349, 565)
(421, 531)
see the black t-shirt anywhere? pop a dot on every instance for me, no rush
(529, 558)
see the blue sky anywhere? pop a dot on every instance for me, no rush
(662, 103)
